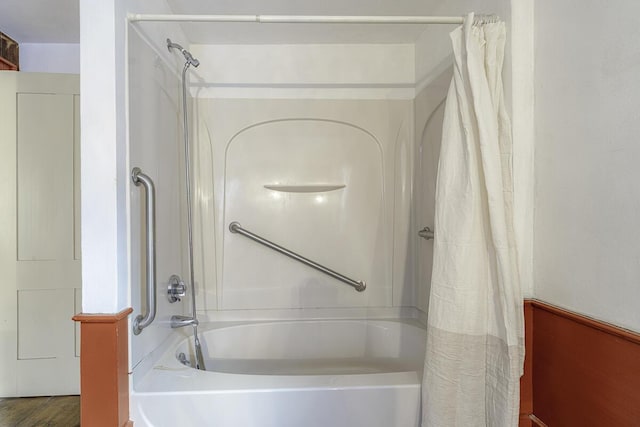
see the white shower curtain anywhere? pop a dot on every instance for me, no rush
(475, 333)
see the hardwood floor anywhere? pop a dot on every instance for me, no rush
(57, 411)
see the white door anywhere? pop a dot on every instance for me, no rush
(40, 227)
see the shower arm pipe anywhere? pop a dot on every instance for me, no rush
(299, 19)
(143, 320)
(235, 227)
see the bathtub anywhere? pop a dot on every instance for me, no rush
(311, 373)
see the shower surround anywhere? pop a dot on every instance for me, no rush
(325, 169)
(360, 115)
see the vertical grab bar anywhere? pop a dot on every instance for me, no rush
(142, 321)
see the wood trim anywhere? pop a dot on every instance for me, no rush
(102, 318)
(526, 381)
(525, 421)
(586, 372)
(104, 376)
(590, 322)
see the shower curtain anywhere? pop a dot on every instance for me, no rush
(475, 332)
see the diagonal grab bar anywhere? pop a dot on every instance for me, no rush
(142, 321)
(235, 227)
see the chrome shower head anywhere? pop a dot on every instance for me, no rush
(187, 55)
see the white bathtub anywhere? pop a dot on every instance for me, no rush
(313, 373)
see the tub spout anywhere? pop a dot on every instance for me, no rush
(181, 321)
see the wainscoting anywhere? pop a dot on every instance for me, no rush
(578, 371)
(104, 376)
(526, 382)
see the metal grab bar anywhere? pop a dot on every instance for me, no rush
(142, 321)
(359, 286)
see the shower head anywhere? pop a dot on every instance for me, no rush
(187, 55)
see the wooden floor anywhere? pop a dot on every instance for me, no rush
(62, 411)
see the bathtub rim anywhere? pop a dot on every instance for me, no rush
(160, 372)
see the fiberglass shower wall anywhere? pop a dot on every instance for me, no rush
(156, 147)
(275, 121)
(429, 113)
(312, 147)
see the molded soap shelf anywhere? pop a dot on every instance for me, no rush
(308, 188)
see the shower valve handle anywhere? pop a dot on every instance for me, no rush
(176, 289)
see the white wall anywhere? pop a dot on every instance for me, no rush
(587, 250)
(50, 58)
(103, 138)
(105, 174)
(155, 133)
(522, 120)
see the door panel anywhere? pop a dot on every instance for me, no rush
(45, 177)
(52, 274)
(44, 331)
(48, 377)
(39, 226)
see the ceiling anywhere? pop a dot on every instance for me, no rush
(56, 21)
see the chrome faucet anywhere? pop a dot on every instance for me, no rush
(178, 321)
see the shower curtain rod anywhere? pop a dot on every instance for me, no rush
(300, 19)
